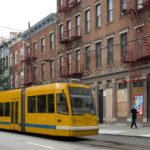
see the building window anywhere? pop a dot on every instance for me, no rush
(28, 51)
(22, 54)
(69, 63)
(87, 58)
(61, 31)
(11, 81)
(122, 85)
(123, 42)
(110, 51)
(43, 71)
(60, 2)
(52, 41)
(78, 22)
(87, 21)
(98, 15)
(16, 57)
(16, 80)
(139, 4)
(52, 68)
(78, 61)
(28, 75)
(42, 44)
(34, 73)
(138, 84)
(6, 62)
(123, 6)
(98, 54)
(22, 77)
(61, 65)
(109, 10)
(69, 28)
(34, 49)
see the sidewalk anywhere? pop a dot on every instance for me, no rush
(125, 130)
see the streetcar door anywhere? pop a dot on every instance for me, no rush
(14, 115)
(63, 117)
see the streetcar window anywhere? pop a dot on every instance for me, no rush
(51, 103)
(1, 109)
(81, 101)
(62, 107)
(7, 109)
(31, 104)
(41, 104)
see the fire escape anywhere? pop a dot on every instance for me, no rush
(67, 38)
(136, 57)
(28, 60)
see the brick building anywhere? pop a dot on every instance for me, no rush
(40, 52)
(15, 53)
(106, 44)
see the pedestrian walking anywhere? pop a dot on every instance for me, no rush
(133, 116)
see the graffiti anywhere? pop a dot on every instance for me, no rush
(138, 104)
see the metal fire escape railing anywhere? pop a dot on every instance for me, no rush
(69, 35)
(131, 58)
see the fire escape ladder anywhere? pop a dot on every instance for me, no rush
(131, 60)
(71, 33)
(64, 71)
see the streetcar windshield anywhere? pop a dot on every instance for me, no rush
(81, 101)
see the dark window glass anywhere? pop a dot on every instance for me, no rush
(62, 107)
(122, 85)
(124, 50)
(110, 51)
(81, 101)
(41, 103)
(138, 84)
(87, 58)
(7, 109)
(51, 103)
(98, 54)
(31, 104)
(1, 109)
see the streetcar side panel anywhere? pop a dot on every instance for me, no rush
(10, 116)
(40, 109)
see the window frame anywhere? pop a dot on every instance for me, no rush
(98, 15)
(123, 45)
(87, 58)
(98, 54)
(110, 58)
(87, 21)
(42, 44)
(52, 40)
(109, 11)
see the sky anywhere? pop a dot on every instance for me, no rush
(15, 14)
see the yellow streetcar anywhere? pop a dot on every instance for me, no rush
(58, 109)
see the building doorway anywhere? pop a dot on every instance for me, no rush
(101, 99)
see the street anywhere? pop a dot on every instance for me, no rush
(17, 141)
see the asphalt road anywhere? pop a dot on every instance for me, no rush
(16, 141)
